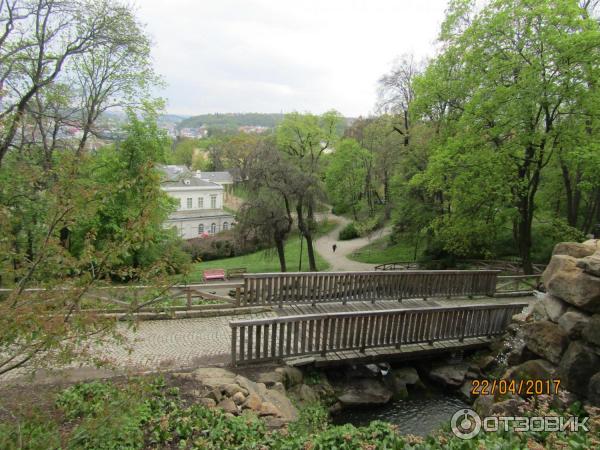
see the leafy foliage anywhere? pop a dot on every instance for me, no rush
(145, 414)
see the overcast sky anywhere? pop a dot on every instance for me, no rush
(283, 55)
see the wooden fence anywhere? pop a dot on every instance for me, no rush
(317, 334)
(518, 284)
(125, 298)
(321, 287)
(506, 266)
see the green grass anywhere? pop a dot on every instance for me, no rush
(380, 252)
(267, 260)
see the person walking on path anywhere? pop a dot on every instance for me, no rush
(334, 246)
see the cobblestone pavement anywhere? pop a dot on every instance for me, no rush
(153, 345)
(163, 344)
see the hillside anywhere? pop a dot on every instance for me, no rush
(231, 120)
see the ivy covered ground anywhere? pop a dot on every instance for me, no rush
(148, 413)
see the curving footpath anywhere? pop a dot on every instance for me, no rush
(339, 260)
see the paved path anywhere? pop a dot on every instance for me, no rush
(157, 345)
(339, 260)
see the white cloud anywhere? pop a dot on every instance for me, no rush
(283, 55)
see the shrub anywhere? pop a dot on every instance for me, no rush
(348, 232)
(369, 225)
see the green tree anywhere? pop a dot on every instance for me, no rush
(504, 93)
(345, 175)
(305, 138)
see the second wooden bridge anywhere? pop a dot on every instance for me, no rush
(368, 316)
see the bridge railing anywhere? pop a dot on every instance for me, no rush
(322, 287)
(518, 284)
(506, 266)
(318, 334)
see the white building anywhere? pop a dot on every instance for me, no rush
(200, 202)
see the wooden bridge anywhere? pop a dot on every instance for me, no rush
(368, 316)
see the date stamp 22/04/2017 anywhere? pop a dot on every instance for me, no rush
(517, 387)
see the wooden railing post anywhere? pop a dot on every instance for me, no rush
(325, 337)
(363, 334)
(234, 346)
(188, 293)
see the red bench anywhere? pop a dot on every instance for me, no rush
(214, 274)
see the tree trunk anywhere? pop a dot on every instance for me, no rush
(573, 194)
(279, 244)
(305, 230)
(525, 241)
(386, 197)
(312, 263)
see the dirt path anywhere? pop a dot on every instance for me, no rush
(339, 260)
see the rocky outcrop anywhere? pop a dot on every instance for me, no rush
(363, 391)
(290, 376)
(565, 280)
(573, 322)
(234, 394)
(554, 307)
(560, 337)
(591, 331)
(546, 339)
(590, 264)
(535, 369)
(577, 367)
(594, 389)
(304, 394)
(574, 249)
(450, 375)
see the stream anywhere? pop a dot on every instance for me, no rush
(420, 414)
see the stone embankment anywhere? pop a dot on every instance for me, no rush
(559, 339)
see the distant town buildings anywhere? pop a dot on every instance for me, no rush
(200, 198)
(195, 133)
(253, 129)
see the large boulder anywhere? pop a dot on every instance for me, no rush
(570, 283)
(594, 390)
(451, 375)
(538, 312)
(253, 402)
(213, 377)
(406, 375)
(287, 410)
(590, 264)
(574, 249)
(270, 378)
(228, 406)
(304, 394)
(363, 392)
(573, 322)
(545, 339)
(535, 369)
(577, 366)
(554, 307)
(593, 243)
(591, 331)
(290, 376)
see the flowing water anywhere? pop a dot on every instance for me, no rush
(420, 414)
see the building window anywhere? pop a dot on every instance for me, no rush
(213, 228)
(213, 201)
(189, 203)
(200, 202)
(180, 205)
(225, 226)
(201, 228)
